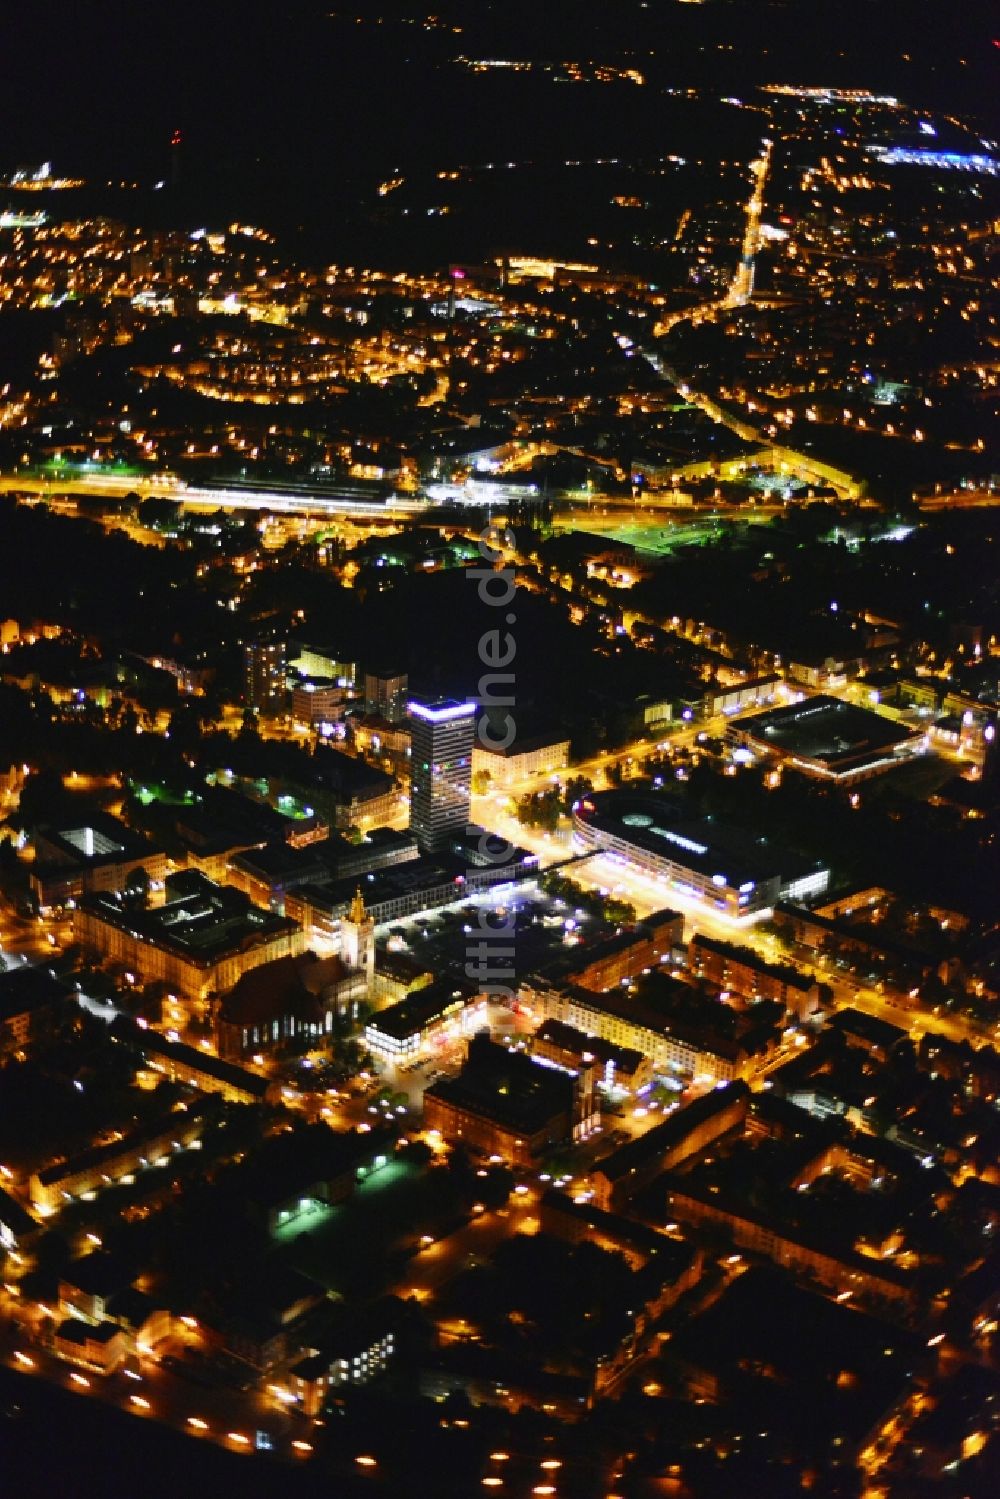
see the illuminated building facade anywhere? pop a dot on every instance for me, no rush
(102, 1347)
(264, 668)
(356, 1349)
(385, 695)
(444, 1010)
(101, 854)
(637, 829)
(674, 1046)
(441, 770)
(103, 1165)
(502, 1103)
(522, 759)
(317, 700)
(199, 942)
(618, 1068)
(744, 972)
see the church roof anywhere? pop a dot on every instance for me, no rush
(287, 986)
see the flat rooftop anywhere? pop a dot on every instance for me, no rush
(428, 874)
(200, 921)
(97, 839)
(506, 1087)
(422, 1007)
(526, 744)
(440, 710)
(825, 730)
(379, 885)
(651, 820)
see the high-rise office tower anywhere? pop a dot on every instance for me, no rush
(385, 694)
(264, 669)
(442, 732)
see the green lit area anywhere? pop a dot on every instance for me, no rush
(290, 806)
(149, 792)
(309, 1214)
(355, 1247)
(86, 467)
(662, 533)
(648, 537)
(260, 789)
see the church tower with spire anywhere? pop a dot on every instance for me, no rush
(357, 940)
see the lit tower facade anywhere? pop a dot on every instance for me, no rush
(385, 694)
(264, 671)
(357, 940)
(442, 732)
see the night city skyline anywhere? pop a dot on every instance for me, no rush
(499, 759)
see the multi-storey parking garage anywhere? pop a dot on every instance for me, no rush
(727, 870)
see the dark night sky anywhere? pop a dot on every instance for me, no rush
(103, 83)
